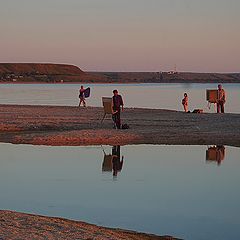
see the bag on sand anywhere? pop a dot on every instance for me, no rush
(125, 126)
(198, 111)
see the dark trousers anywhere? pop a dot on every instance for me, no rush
(220, 106)
(117, 119)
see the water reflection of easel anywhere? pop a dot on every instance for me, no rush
(215, 154)
(112, 162)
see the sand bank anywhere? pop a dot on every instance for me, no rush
(64, 125)
(15, 225)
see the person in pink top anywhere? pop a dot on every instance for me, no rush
(185, 102)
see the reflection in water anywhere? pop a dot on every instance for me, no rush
(117, 163)
(113, 162)
(215, 154)
(163, 190)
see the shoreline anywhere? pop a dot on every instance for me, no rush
(124, 82)
(53, 72)
(16, 225)
(75, 126)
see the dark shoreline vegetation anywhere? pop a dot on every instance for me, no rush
(59, 73)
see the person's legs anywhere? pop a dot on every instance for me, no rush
(222, 107)
(118, 120)
(185, 107)
(218, 107)
(114, 120)
(82, 100)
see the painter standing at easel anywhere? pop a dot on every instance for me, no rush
(221, 99)
(117, 103)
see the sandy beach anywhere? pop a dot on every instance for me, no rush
(73, 126)
(15, 225)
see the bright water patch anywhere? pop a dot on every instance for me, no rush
(190, 192)
(166, 96)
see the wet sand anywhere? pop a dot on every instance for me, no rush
(73, 126)
(15, 225)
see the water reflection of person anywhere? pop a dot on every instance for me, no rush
(113, 162)
(220, 154)
(117, 162)
(216, 153)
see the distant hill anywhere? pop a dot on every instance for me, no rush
(39, 68)
(168, 77)
(53, 73)
(44, 72)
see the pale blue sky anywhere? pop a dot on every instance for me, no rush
(123, 35)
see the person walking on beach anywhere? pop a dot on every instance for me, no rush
(185, 102)
(117, 104)
(221, 99)
(82, 96)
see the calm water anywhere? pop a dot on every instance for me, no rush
(166, 96)
(159, 189)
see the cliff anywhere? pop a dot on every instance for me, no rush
(45, 72)
(39, 68)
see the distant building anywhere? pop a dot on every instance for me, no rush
(171, 72)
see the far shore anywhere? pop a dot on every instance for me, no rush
(67, 73)
(75, 126)
(122, 81)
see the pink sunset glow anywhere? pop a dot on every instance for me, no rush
(123, 35)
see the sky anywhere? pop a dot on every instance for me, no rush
(123, 35)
